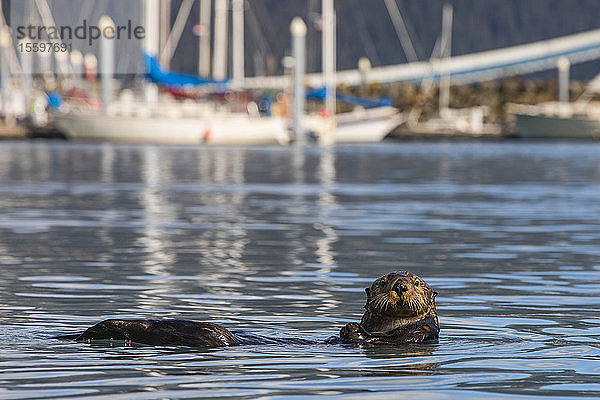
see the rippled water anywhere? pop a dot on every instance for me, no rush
(282, 242)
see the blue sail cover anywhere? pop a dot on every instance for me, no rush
(156, 74)
(319, 94)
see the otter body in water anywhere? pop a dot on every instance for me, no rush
(400, 308)
(170, 332)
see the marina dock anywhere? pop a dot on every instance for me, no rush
(13, 131)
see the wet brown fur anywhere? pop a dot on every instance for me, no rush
(170, 332)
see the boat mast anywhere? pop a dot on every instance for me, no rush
(165, 29)
(204, 54)
(238, 42)
(298, 31)
(220, 55)
(564, 66)
(107, 61)
(328, 16)
(401, 30)
(151, 22)
(446, 50)
(168, 50)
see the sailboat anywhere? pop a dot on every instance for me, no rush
(164, 120)
(369, 121)
(470, 121)
(170, 121)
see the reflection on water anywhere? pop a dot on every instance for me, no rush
(281, 242)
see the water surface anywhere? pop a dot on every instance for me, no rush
(282, 242)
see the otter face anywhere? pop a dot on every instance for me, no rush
(400, 294)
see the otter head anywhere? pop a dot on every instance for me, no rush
(400, 294)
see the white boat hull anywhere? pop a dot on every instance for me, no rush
(362, 125)
(218, 129)
(177, 125)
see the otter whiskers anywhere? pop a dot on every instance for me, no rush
(385, 301)
(411, 302)
(381, 302)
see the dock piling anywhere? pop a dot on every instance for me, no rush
(107, 60)
(298, 31)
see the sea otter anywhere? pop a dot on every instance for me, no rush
(400, 308)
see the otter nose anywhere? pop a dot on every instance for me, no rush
(400, 287)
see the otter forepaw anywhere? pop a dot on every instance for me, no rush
(352, 333)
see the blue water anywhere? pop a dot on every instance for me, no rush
(282, 242)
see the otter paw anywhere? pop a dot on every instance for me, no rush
(352, 333)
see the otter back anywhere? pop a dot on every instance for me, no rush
(161, 333)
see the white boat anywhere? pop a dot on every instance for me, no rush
(359, 125)
(162, 120)
(557, 120)
(176, 123)
(453, 122)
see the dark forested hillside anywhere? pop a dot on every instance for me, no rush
(364, 27)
